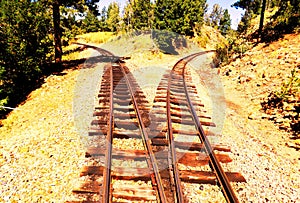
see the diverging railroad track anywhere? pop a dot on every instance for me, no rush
(144, 153)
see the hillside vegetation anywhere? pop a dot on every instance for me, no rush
(266, 70)
(33, 32)
(270, 76)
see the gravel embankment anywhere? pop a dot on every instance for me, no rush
(42, 142)
(39, 146)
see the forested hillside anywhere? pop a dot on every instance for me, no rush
(34, 32)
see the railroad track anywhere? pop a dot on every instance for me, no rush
(185, 139)
(140, 153)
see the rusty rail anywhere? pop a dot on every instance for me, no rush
(227, 190)
(172, 151)
(152, 164)
(106, 196)
(105, 124)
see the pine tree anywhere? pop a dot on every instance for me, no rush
(164, 13)
(183, 17)
(262, 16)
(193, 16)
(92, 5)
(90, 23)
(225, 22)
(249, 5)
(56, 14)
(284, 20)
(245, 21)
(216, 15)
(289, 11)
(113, 17)
(103, 18)
(139, 15)
(70, 26)
(252, 8)
(25, 44)
(57, 31)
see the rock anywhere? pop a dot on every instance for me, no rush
(253, 63)
(244, 79)
(227, 72)
(292, 100)
(288, 107)
(264, 115)
(254, 116)
(279, 120)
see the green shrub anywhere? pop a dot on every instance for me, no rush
(25, 44)
(164, 40)
(202, 40)
(291, 87)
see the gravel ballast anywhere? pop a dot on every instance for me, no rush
(42, 146)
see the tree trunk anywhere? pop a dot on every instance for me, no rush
(57, 33)
(262, 16)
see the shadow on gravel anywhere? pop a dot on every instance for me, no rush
(57, 70)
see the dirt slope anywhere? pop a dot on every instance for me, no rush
(267, 156)
(266, 69)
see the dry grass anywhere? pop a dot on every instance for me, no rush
(210, 38)
(96, 37)
(73, 52)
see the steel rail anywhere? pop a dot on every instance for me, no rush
(173, 168)
(156, 180)
(227, 190)
(106, 195)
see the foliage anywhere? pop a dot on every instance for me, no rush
(138, 14)
(103, 17)
(225, 23)
(215, 15)
(96, 37)
(69, 26)
(90, 23)
(165, 40)
(235, 47)
(219, 18)
(92, 5)
(285, 20)
(26, 40)
(245, 22)
(221, 54)
(286, 101)
(202, 40)
(183, 17)
(113, 17)
(249, 5)
(209, 37)
(291, 87)
(24, 44)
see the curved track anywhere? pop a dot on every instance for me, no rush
(134, 144)
(178, 81)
